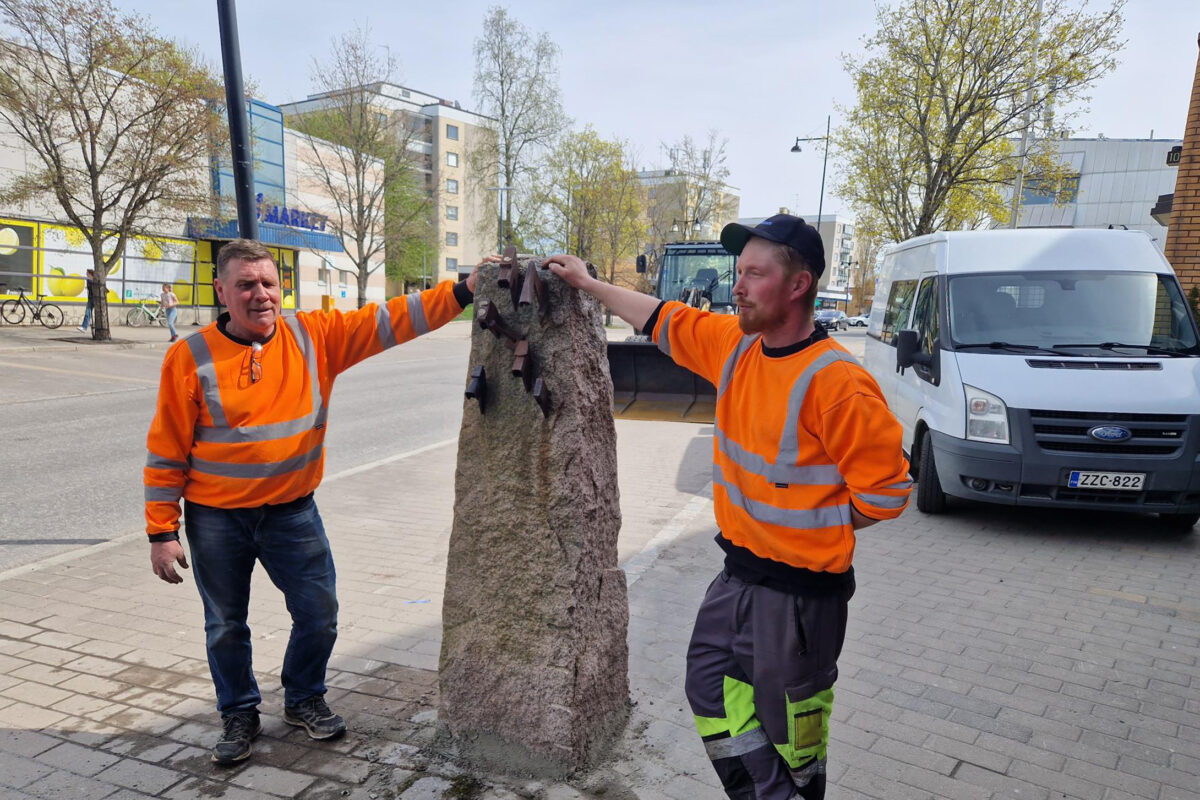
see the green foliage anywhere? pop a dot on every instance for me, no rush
(594, 201)
(1194, 301)
(945, 89)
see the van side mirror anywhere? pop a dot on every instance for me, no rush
(641, 265)
(908, 347)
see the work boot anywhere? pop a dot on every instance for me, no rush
(314, 716)
(240, 729)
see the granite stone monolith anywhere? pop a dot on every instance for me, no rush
(534, 660)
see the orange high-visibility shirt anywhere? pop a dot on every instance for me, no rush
(231, 433)
(797, 439)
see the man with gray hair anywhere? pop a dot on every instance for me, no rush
(238, 434)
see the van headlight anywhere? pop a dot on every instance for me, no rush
(987, 416)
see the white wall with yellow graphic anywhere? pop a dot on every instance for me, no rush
(51, 261)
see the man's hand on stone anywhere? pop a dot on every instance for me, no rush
(473, 278)
(571, 269)
(163, 558)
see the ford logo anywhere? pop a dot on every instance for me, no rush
(1110, 433)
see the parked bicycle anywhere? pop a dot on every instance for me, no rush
(146, 312)
(13, 311)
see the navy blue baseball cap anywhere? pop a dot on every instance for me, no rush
(783, 229)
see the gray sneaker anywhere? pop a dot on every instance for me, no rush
(315, 717)
(240, 729)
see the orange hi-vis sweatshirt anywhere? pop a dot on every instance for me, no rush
(797, 440)
(232, 433)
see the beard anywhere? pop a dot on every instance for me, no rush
(758, 319)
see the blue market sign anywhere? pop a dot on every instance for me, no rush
(282, 215)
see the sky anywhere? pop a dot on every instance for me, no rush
(649, 71)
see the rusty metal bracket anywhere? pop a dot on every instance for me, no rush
(507, 263)
(535, 287)
(542, 395)
(477, 387)
(522, 366)
(516, 284)
(489, 319)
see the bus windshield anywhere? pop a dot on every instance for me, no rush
(1092, 313)
(711, 273)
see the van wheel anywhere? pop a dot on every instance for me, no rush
(930, 497)
(1179, 523)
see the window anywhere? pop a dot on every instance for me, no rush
(451, 159)
(1038, 192)
(451, 239)
(925, 317)
(898, 305)
(451, 212)
(451, 186)
(452, 132)
(323, 273)
(342, 278)
(452, 265)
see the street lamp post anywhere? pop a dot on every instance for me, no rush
(824, 162)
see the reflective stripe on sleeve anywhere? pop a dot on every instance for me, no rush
(206, 371)
(163, 494)
(383, 327)
(882, 500)
(155, 461)
(792, 474)
(664, 336)
(416, 314)
(732, 746)
(270, 469)
(798, 518)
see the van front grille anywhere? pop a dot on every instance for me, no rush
(1067, 432)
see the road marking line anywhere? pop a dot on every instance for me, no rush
(40, 368)
(346, 473)
(644, 558)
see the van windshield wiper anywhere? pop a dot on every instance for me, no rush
(1149, 348)
(1013, 346)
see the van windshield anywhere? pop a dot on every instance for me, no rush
(1087, 313)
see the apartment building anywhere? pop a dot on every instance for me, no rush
(442, 137)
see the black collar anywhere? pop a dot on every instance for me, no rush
(817, 335)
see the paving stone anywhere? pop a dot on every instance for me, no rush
(62, 785)
(139, 776)
(77, 759)
(426, 789)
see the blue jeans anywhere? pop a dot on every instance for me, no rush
(171, 314)
(87, 316)
(289, 540)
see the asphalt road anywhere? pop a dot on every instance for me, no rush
(73, 433)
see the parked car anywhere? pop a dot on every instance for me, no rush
(831, 319)
(859, 321)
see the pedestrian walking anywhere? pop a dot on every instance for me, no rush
(238, 436)
(170, 305)
(90, 276)
(805, 453)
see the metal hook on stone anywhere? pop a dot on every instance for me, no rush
(489, 319)
(507, 263)
(477, 387)
(533, 286)
(542, 395)
(522, 366)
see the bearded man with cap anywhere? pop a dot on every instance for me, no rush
(805, 452)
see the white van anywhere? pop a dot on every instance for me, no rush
(1041, 367)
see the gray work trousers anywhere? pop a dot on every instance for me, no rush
(760, 672)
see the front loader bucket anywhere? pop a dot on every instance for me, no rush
(649, 385)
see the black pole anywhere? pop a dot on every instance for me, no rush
(239, 123)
